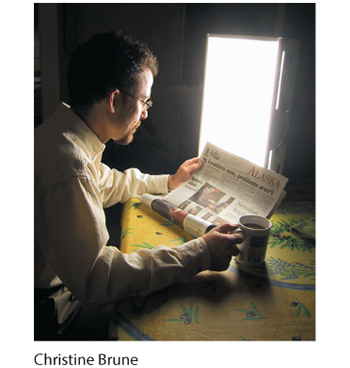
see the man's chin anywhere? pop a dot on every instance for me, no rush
(125, 141)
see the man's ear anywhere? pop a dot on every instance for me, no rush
(113, 95)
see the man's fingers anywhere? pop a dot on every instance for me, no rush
(234, 250)
(237, 238)
(227, 228)
(193, 165)
(228, 231)
(193, 160)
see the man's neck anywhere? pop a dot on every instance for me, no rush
(93, 119)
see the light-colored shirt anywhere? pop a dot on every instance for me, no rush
(72, 186)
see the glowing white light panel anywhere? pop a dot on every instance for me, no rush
(239, 82)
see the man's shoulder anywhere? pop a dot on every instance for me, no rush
(58, 154)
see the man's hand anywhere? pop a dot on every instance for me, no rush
(184, 173)
(222, 245)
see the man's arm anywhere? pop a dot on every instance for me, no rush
(71, 233)
(116, 186)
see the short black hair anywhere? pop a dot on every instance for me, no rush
(107, 61)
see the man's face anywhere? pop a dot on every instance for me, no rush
(130, 115)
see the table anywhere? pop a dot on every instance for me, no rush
(273, 302)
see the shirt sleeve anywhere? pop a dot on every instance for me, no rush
(72, 237)
(116, 186)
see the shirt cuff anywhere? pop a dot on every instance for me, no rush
(158, 184)
(194, 256)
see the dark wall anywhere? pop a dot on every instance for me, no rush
(300, 157)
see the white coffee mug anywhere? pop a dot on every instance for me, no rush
(256, 231)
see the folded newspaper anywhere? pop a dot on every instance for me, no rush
(223, 189)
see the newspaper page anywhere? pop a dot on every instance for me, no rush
(227, 187)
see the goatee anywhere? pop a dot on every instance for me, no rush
(126, 140)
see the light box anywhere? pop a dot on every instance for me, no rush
(247, 96)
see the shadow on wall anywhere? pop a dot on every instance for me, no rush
(146, 152)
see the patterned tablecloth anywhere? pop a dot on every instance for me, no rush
(273, 302)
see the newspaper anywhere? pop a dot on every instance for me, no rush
(223, 189)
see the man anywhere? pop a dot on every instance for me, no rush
(109, 80)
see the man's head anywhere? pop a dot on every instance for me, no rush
(106, 62)
(110, 79)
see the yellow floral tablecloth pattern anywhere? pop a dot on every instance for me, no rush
(273, 302)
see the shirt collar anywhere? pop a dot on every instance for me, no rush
(80, 128)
